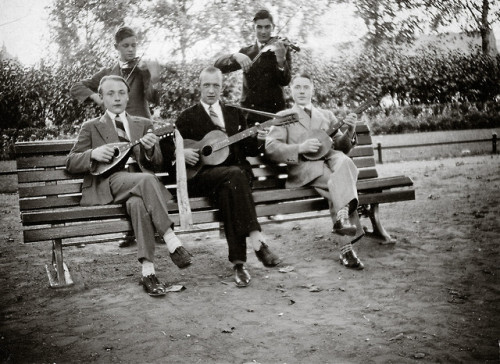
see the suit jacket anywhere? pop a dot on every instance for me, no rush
(263, 83)
(100, 131)
(141, 89)
(194, 123)
(282, 144)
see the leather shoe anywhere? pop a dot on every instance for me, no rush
(344, 227)
(350, 260)
(181, 257)
(266, 256)
(153, 286)
(241, 275)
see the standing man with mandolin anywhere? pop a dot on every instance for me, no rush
(227, 184)
(141, 75)
(266, 69)
(334, 174)
(133, 184)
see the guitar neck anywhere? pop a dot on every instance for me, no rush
(333, 129)
(235, 138)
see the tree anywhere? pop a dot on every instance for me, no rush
(472, 15)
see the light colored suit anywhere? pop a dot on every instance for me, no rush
(334, 176)
(142, 193)
(97, 132)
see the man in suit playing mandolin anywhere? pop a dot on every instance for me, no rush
(334, 176)
(229, 183)
(266, 69)
(141, 75)
(142, 193)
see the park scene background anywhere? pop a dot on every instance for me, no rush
(432, 297)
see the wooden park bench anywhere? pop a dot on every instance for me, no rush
(50, 212)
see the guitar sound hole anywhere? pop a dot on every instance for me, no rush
(206, 150)
(116, 152)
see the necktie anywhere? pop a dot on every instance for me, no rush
(308, 111)
(120, 129)
(215, 118)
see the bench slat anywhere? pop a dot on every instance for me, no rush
(387, 196)
(50, 190)
(41, 162)
(44, 147)
(45, 176)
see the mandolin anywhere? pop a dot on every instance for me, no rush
(325, 136)
(123, 151)
(214, 147)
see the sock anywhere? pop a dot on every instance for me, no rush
(256, 239)
(171, 240)
(148, 268)
(343, 213)
(346, 248)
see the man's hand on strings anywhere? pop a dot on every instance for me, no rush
(104, 153)
(309, 146)
(191, 156)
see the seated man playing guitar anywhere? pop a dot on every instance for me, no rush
(334, 175)
(228, 183)
(142, 193)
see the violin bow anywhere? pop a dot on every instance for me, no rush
(258, 112)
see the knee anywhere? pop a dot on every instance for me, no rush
(236, 176)
(135, 204)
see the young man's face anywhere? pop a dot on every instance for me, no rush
(127, 48)
(263, 29)
(114, 94)
(302, 90)
(210, 87)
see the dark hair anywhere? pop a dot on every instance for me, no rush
(114, 78)
(263, 14)
(122, 33)
(302, 74)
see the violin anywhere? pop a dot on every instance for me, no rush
(270, 42)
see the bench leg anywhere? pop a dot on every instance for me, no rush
(59, 273)
(372, 211)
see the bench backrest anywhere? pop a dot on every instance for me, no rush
(48, 194)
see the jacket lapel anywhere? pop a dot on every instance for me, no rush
(253, 51)
(231, 127)
(304, 119)
(135, 127)
(106, 129)
(316, 118)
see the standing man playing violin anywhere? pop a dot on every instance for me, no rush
(334, 176)
(266, 69)
(141, 75)
(228, 184)
(144, 197)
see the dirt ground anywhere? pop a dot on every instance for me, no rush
(433, 297)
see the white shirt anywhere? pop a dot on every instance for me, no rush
(215, 107)
(123, 119)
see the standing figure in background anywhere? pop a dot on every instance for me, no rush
(141, 75)
(266, 69)
(334, 176)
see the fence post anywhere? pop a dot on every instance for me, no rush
(494, 143)
(379, 149)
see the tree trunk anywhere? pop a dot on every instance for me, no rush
(485, 28)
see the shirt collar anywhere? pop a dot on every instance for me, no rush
(308, 106)
(215, 106)
(112, 115)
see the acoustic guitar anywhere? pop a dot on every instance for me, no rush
(122, 151)
(325, 136)
(214, 147)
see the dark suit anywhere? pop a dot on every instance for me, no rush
(228, 185)
(263, 83)
(141, 89)
(143, 194)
